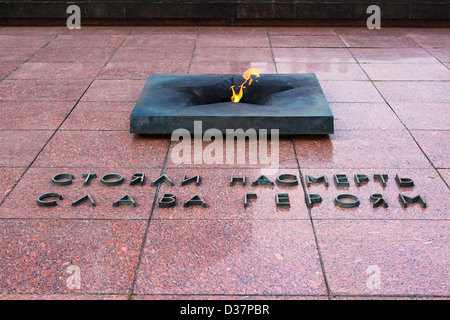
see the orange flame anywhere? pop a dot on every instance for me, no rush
(236, 97)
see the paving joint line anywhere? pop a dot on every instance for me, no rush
(193, 51)
(144, 238)
(316, 240)
(271, 51)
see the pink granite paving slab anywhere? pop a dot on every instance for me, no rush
(21, 202)
(301, 31)
(245, 257)
(20, 41)
(428, 116)
(227, 202)
(42, 90)
(222, 297)
(360, 150)
(52, 245)
(414, 91)
(7, 67)
(199, 153)
(350, 91)
(226, 54)
(108, 149)
(16, 54)
(138, 71)
(432, 41)
(231, 40)
(8, 178)
(445, 174)
(364, 116)
(89, 41)
(165, 30)
(392, 55)
(32, 30)
(363, 41)
(33, 115)
(386, 298)
(425, 31)
(99, 116)
(56, 70)
(442, 54)
(152, 55)
(20, 147)
(328, 55)
(74, 54)
(114, 90)
(63, 296)
(99, 30)
(245, 32)
(364, 31)
(384, 38)
(160, 41)
(106, 106)
(412, 71)
(435, 144)
(324, 71)
(426, 183)
(44, 256)
(429, 37)
(286, 41)
(230, 67)
(408, 256)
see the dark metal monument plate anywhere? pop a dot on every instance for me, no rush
(292, 103)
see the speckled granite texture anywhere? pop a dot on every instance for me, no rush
(65, 101)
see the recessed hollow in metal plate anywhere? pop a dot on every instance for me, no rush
(291, 103)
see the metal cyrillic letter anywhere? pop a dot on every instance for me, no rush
(168, 200)
(237, 179)
(404, 182)
(127, 200)
(83, 199)
(51, 203)
(262, 180)
(189, 180)
(341, 180)
(309, 180)
(137, 178)
(282, 200)
(292, 180)
(378, 200)
(382, 177)
(355, 201)
(404, 200)
(247, 197)
(161, 179)
(360, 179)
(195, 201)
(57, 180)
(310, 199)
(87, 178)
(106, 180)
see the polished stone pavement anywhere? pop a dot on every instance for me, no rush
(65, 101)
